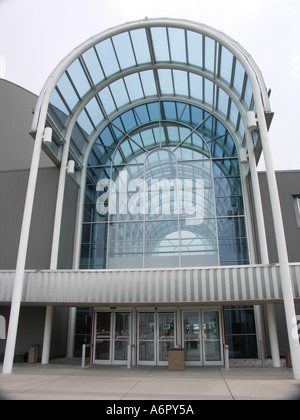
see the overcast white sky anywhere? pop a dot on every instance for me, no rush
(36, 34)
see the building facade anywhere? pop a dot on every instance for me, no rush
(145, 224)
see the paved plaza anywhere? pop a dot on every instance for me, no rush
(72, 382)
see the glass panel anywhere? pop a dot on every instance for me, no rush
(140, 45)
(119, 93)
(57, 103)
(177, 44)
(240, 331)
(166, 325)
(180, 82)
(226, 65)
(222, 101)
(67, 91)
(195, 46)
(93, 65)
(160, 44)
(79, 78)
(107, 57)
(166, 334)
(238, 77)
(208, 91)
(102, 350)
(248, 93)
(134, 87)
(148, 82)
(229, 206)
(209, 54)
(165, 81)
(211, 336)
(191, 330)
(124, 50)
(122, 335)
(107, 100)
(233, 251)
(85, 122)
(94, 111)
(146, 336)
(233, 113)
(242, 346)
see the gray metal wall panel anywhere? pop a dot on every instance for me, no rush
(16, 113)
(288, 186)
(13, 186)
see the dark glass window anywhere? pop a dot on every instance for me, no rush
(240, 332)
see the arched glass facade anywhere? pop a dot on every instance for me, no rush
(154, 114)
(163, 189)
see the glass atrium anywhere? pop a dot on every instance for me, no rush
(152, 100)
(153, 113)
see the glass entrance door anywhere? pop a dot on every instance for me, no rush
(112, 337)
(166, 337)
(102, 350)
(192, 336)
(121, 339)
(155, 337)
(213, 353)
(202, 338)
(146, 337)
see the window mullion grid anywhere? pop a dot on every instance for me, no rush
(63, 99)
(53, 111)
(100, 64)
(113, 98)
(129, 100)
(153, 62)
(233, 72)
(142, 86)
(131, 43)
(115, 52)
(86, 71)
(168, 42)
(101, 106)
(73, 85)
(90, 118)
(215, 74)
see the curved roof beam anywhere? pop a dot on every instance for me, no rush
(220, 80)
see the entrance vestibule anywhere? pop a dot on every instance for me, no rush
(144, 335)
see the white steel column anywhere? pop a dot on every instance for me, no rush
(22, 254)
(71, 332)
(47, 335)
(263, 247)
(273, 335)
(55, 246)
(285, 276)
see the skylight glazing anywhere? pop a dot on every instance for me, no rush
(140, 64)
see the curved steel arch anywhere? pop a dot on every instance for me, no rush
(239, 55)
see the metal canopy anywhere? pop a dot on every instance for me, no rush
(137, 63)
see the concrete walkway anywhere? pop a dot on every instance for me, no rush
(71, 382)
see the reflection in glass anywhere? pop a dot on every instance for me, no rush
(122, 335)
(177, 192)
(166, 334)
(103, 336)
(191, 325)
(146, 336)
(212, 340)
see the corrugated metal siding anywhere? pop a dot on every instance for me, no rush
(248, 284)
